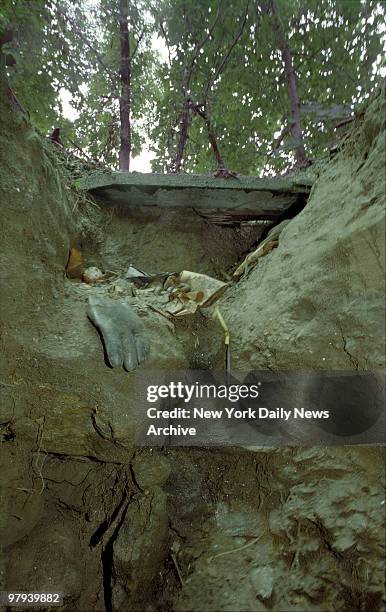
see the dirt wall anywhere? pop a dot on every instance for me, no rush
(170, 240)
(317, 301)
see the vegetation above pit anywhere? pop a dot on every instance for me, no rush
(249, 86)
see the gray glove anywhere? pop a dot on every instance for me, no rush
(124, 335)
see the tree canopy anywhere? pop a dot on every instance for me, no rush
(250, 85)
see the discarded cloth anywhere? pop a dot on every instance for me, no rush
(191, 290)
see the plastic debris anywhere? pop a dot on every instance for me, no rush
(122, 287)
(270, 243)
(142, 279)
(74, 268)
(190, 290)
(251, 260)
(92, 275)
(137, 276)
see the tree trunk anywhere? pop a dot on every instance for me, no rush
(211, 135)
(183, 136)
(125, 97)
(295, 128)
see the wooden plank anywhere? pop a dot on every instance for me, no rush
(227, 202)
(149, 182)
(204, 199)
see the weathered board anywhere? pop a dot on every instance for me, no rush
(244, 197)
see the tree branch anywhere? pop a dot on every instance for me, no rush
(276, 144)
(201, 112)
(201, 44)
(183, 136)
(161, 25)
(228, 53)
(295, 127)
(84, 38)
(185, 119)
(137, 45)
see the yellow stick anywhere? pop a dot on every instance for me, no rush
(223, 325)
(227, 339)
